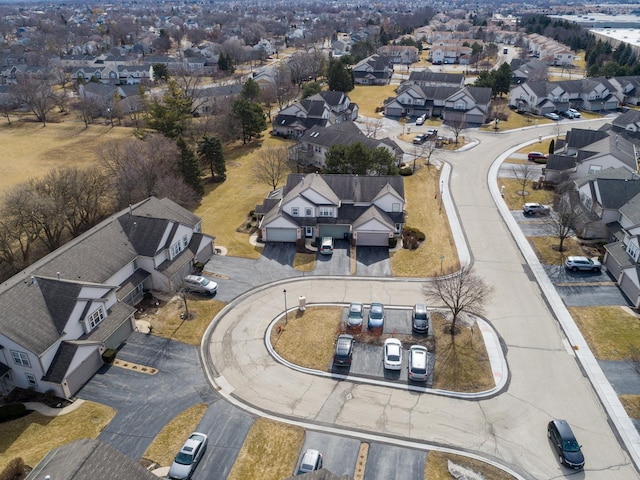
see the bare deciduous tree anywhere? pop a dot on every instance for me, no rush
(36, 91)
(524, 174)
(460, 292)
(562, 220)
(272, 166)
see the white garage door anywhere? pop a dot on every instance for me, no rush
(281, 235)
(373, 239)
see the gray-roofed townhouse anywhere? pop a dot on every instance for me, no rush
(88, 459)
(369, 210)
(468, 106)
(312, 147)
(427, 78)
(59, 314)
(373, 70)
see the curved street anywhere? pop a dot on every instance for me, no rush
(546, 379)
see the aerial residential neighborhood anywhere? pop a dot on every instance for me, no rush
(346, 241)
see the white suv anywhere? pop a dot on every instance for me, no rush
(582, 263)
(532, 208)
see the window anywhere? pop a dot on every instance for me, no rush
(460, 105)
(325, 212)
(398, 227)
(295, 211)
(31, 379)
(96, 317)
(185, 242)
(395, 207)
(20, 358)
(632, 250)
(308, 212)
(594, 168)
(176, 248)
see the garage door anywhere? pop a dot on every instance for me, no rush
(118, 337)
(84, 371)
(333, 231)
(373, 239)
(281, 235)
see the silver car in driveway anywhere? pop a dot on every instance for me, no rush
(188, 457)
(576, 263)
(199, 284)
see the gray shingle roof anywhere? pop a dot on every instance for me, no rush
(631, 209)
(88, 459)
(61, 362)
(437, 77)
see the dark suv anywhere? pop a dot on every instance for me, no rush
(344, 350)
(420, 318)
(566, 444)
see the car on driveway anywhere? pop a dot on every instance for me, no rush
(188, 457)
(576, 263)
(311, 461)
(392, 354)
(376, 316)
(567, 114)
(355, 316)
(535, 208)
(419, 139)
(344, 350)
(199, 284)
(568, 448)
(431, 132)
(421, 119)
(533, 156)
(552, 116)
(576, 113)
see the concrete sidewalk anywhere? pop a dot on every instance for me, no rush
(50, 411)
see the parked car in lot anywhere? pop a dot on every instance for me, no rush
(344, 350)
(420, 318)
(576, 263)
(199, 284)
(326, 246)
(188, 457)
(576, 113)
(568, 448)
(533, 156)
(376, 316)
(552, 116)
(535, 208)
(356, 314)
(392, 354)
(567, 114)
(432, 132)
(311, 461)
(418, 365)
(421, 119)
(420, 139)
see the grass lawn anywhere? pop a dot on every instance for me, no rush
(424, 212)
(305, 262)
(168, 442)
(368, 97)
(270, 452)
(30, 151)
(515, 200)
(308, 340)
(631, 404)
(611, 332)
(435, 468)
(166, 322)
(226, 206)
(546, 249)
(32, 437)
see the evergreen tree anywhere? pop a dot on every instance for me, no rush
(250, 90)
(310, 88)
(171, 115)
(502, 79)
(251, 118)
(552, 146)
(189, 167)
(339, 77)
(212, 154)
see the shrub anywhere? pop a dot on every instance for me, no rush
(14, 470)
(109, 356)
(393, 242)
(406, 171)
(411, 237)
(12, 411)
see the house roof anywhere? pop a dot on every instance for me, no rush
(373, 213)
(351, 188)
(88, 459)
(631, 210)
(455, 79)
(345, 133)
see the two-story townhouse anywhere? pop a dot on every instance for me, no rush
(105, 74)
(373, 70)
(59, 314)
(415, 100)
(135, 74)
(449, 53)
(312, 147)
(340, 106)
(586, 152)
(530, 71)
(629, 88)
(622, 257)
(427, 78)
(368, 210)
(469, 106)
(399, 53)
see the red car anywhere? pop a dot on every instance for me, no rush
(537, 156)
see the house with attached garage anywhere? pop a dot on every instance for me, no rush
(61, 313)
(368, 210)
(373, 70)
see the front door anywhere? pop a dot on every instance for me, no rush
(308, 232)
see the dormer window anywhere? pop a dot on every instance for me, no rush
(325, 212)
(96, 317)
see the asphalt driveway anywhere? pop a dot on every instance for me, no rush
(339, 453)
(338, 263)
(145, 403)
(373, 262)
(394, 463)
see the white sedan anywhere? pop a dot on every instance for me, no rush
(392, 354)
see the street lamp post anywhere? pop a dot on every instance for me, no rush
(441, 260)
(286, 315)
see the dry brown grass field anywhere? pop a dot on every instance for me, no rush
(30, 150)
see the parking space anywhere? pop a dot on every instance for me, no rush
(592, 295)
(338, 263)
(339, 453)
(394, 463)
(536, 225)
(373, 262)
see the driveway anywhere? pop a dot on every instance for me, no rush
(373, 262)
(394, 463)
(338, 263)
(339, 453)
(145, 403)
